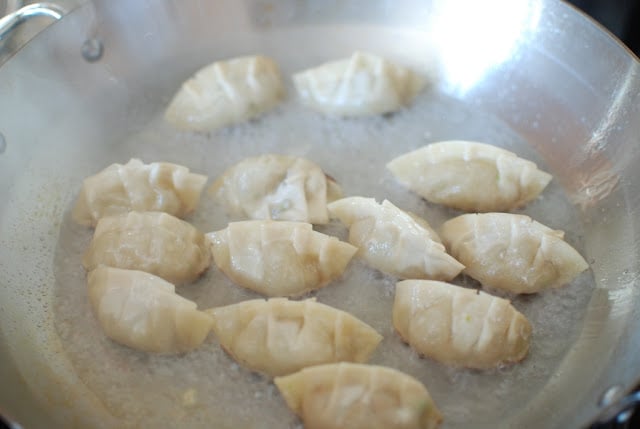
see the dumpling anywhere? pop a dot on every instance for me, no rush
(459, 326)
(225, 93)
(394, 241)
(159, 186)
(470, 176)
(279, 258)
(361, 85)
(278, 336)
(511, 252)
(277, 187)
(358, 396)
(143, 311)
(157, 243)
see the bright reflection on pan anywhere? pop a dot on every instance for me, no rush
(475, 36)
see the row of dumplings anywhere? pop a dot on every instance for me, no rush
(317, 350)
(277, 337)
(501, 250)
(154, 247)
(469, 176)
(235, 90)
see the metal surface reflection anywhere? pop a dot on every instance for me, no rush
(534, 74)
(474, 37)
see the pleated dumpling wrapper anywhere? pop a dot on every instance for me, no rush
(277, 187)
(142, 311)
(394, 241)
(226, 93)
(159, 186)
(279, 337)
(361, 85)
(459, 326)
(157, 243)
(470, 176)
(512, 252)
(279, 258)
(358, 396)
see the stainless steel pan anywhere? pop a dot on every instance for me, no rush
(533, 76)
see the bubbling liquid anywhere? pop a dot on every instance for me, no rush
(206, 388)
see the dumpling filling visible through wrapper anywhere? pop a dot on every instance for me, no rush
(459, 326)
(470, 176)
(511, 252)
(357, 396)
(394, 241)
(279, 336)
(277, 187)
(279, 258)
(135, 186)
(157, 243)
(225, 93)
(361, 85)
(142, 311)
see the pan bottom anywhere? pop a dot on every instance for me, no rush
(206, 385)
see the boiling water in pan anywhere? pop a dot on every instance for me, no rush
(206, 385)
(206, 388)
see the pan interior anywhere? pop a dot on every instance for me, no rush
(111, 111)
(345, 149)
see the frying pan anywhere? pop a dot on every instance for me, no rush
(535, 77)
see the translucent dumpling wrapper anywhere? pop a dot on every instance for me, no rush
(278, 336)
(277, 187)
(512, 252)
(142, 311)
(279, 258)
(358, 396)
(225, 93)
(470, 176)
(394, 241)
(159, 186)
(157, 243)
(361, 85)
(459, 326)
